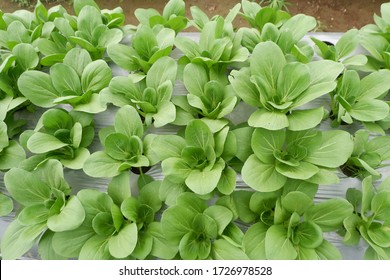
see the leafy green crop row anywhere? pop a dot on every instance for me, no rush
(62, 70)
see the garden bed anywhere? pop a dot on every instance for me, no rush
(230, 146)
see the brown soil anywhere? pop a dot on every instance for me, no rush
(333, 15)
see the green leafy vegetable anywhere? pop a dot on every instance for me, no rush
(61, 135)
(270, 85)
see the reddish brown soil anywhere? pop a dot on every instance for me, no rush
(333, 15)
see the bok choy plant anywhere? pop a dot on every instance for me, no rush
(123, 146)
(218, 46)
(122, 228)
(368, 155)
(291, 226)
(151, 96)
(77, 82)
(147, 46)
(45, 203)
(173, 16)
(360, 99)
(207, 98)
(308, 155)
(343, 50)
(60, 135)
(370, 220)
(271, 24)
(201, 232)
(199, 160)
(278, 88)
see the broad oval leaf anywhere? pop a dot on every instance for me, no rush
(99, 164)
(277, 244)
(198, 134)
(262, 176)
(330, 214)
(96, 76)
(224, 250)
(25, 187)
(267, 61)
(19, 239)
(254, 241)
(37, 87)
(309, 235)
(335, 149)
(70, 217)
(65, 79)
(26, 56)
(128, 122)
(296, 201)
(6, 205)
(271, 120)
(41, 143)
(95, 248)
(164, 69)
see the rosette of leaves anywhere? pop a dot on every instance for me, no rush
(197, 161)
(148, 45)
(370, 220)
(257, 16)
(272, 24)
(207, 98)
(151, 96)
(45, 204)
(375, 39)
(111, 18)
(91, 29)
(343, 50)
(23, 26)
(173, 16)
(290, 226)
(218, 46)
(309, 155)
(199, 232)
(60, 135)
(92, 33)
(77, 82)
(368, 155)
(360, 99)
(117, 226)
(200, 18)
(123, 146)
(277, 88)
